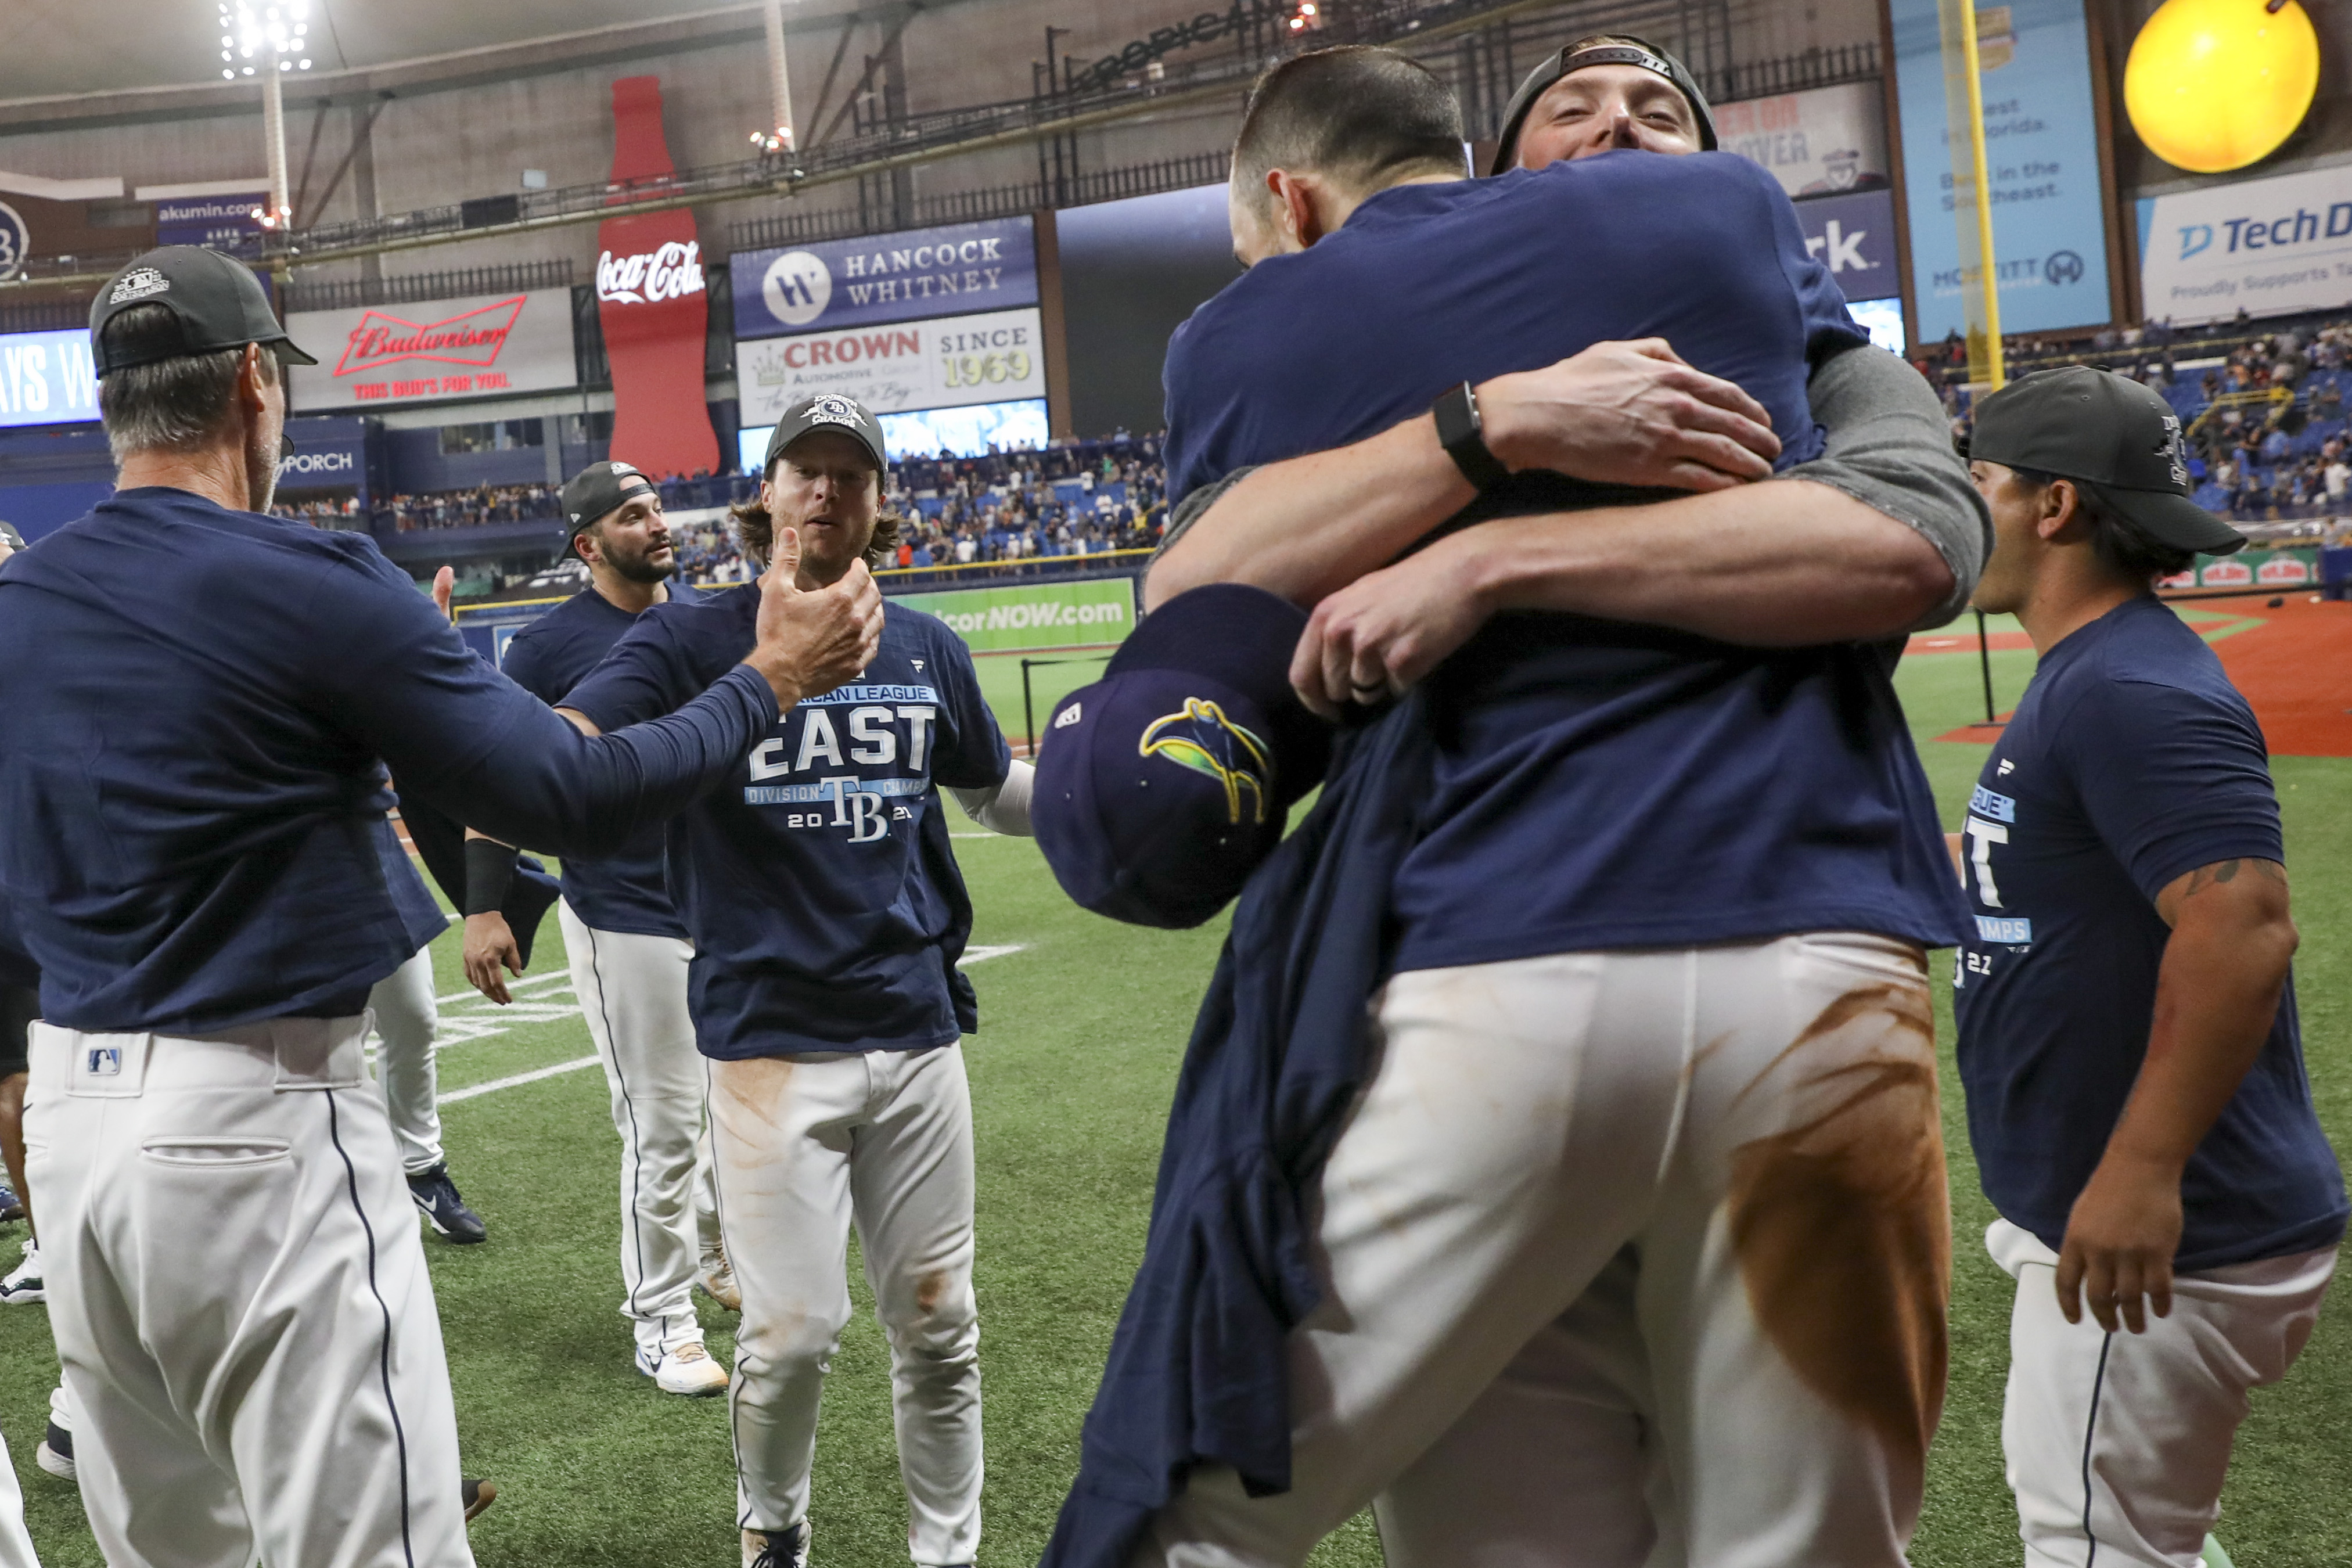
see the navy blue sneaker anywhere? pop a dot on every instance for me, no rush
(56, 1453)
(477, 1495)
(12, 1207)
(438, 1197)
(777, 1548)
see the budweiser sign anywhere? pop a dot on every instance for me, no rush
(668, 271)
(473, 338)
(488, 345)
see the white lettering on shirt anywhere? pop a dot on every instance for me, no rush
(918, 723)
(871, 726)
(817, 740)
(1983, 836)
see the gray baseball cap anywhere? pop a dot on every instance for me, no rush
(217, 301)
(2118, 440)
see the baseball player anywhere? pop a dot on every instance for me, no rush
(628, 950)
(1649, 1160)
(2128, 1038)
(192, 835)
(827, 914)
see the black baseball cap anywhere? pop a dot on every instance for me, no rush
(2118, 440)
(1162, 786)
(218, 303)
(827, 411)
(10, 537)
(598, 490)
(1631, 52)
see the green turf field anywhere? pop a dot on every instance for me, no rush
(1083, 1024)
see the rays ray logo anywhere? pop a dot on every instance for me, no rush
(1200, 737)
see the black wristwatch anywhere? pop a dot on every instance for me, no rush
(1464, 436)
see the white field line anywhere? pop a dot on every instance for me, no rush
(971, 955)
(470, 1090)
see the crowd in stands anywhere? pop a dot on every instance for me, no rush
(1008, 509)
(2263, 411)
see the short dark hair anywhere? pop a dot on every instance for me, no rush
(165, 404)
(2122, 548)
(1363, 116)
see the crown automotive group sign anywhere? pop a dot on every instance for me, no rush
(489, 345)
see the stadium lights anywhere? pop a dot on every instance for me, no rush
(263, 36)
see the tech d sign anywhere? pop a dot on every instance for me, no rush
(650, 301)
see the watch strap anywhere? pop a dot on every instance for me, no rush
(1464, 435)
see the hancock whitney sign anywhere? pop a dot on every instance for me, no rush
(2265, 247)
(962, 269)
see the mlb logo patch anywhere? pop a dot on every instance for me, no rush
(104, 1061)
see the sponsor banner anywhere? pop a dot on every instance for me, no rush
(2041, 149)
(946, 363)
(329, 454)
(2255, 569)
(1853, 236)
(209, 220)
(2265, 247)
(910, 277)
(486, 345)
(1828, 140)
(651, 304)
(1041, 615)
(47, 378)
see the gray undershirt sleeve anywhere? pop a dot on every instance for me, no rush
(1195, 506)
(1890, 447)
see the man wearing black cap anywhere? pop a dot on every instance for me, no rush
(627, 947)
(193, 839)
(1670, 861)
(2127, 1027)
(828, 916)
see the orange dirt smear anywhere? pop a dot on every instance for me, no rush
(2294, 668)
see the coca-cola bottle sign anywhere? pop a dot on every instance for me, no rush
(651, 303)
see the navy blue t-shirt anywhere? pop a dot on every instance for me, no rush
(1630, 786)
(816, 884)
(192, 793)
(2131, 762)
(623, 893)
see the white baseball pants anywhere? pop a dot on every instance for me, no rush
(15, 1542)
(241, 1303)
(407, 1023)
(631, 989)
(2117, 1444)
(806, 1145)
(1635, 1258)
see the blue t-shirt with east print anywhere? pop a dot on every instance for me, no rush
(2130, 762)
(817, 885)
(624, 891)
(1630, 786)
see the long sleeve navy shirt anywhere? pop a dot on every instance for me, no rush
(199, 705)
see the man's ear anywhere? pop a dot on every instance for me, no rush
(2064, 518)
(1295, 214)
(252, 377)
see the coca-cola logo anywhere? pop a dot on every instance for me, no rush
(474, 338)
(671, 271)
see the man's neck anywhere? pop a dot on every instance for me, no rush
(625, 593)
(2074, 590)
(216, 473)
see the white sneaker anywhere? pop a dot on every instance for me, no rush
(686, 1369)
(22, 1285)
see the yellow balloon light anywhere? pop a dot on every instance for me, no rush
(2218, 84)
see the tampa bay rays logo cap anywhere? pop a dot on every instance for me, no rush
(2118, 441)
(828, 411)
(1164, 784)
(215, 302)
(598, 490)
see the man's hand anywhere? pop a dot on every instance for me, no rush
(490, 946)
(812, 640)
(1373, 638)
(1629, 414)
(445, 588)
(2120, 1239)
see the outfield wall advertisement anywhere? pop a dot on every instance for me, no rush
(944, 363)
(924, 272)
(2265, 247)
(2255, 569)
(2041, 148)
(1825, 142)
(1041, 615)
(47, 378)
(488, 345)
